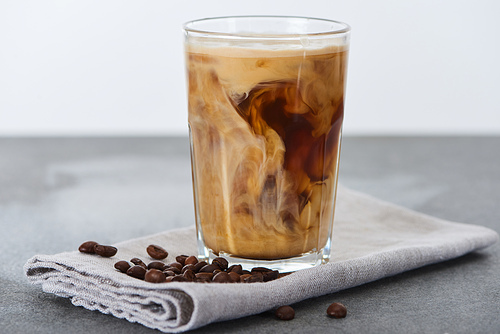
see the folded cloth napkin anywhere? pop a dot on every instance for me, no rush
(372, 239)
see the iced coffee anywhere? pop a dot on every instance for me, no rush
(265, 128)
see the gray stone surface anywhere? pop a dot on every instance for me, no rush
(57, 192)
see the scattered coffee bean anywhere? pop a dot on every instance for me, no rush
(255, 278)
(235, 268)
(205, 276)
(199, 265)
(222, 277)
(187, 267)
(221, 262)
(156, 252)
(137, 271)
(189, 275)
(245, 272)
(209, 268)
(181, 259)
(260, 270)
(174, 269)
(169, 273)
(179, 278)
(157, 265)
(244, 277)
(155, 276)
(336, 310)
(270, 275)
(169, 278)
(138, 262)
(235, 277)
(105, 251)
(285, 313)
(122, 266)
(176, 265)
(191, 260)
(87, 247)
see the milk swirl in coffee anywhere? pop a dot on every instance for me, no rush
(265, 128)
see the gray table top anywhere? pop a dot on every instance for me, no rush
(57, 192)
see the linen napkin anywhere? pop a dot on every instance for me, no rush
(372, 239)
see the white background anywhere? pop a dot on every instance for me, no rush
(115, 67)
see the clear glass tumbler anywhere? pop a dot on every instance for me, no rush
(266, 104)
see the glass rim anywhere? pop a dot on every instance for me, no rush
(187, 27)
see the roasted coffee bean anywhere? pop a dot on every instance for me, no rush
(138, 262)
(189, 275)
(179, 278)
(176, 265)
(137, 272)
(209, 268)
(157, 265)
(236, 268)
(235, 277)
(169, 278)
(222, 277)
(191, 260)
(187, 267)
(285, 313)
(207, 276)
(105, 251)
(156, 252)
(169, 273)
(122, 266)
(255, 278)
(174, 269)
(181, 259)
(221, 262)
(155, 276)
(87, 247)
(199, 265)
(244, 277)
(336, 310)
(270, 275)
(260, 270)
(245, 272)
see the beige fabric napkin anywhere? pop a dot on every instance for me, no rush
(372, 239)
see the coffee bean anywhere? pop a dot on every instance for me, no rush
(189, 275)
(157, 265)
(245, 272)
(154, 276)
(156, 252)
(169, 273)
(270, 275)
(181, 259)
(105, 251)
(122, 266)
(260, 270)
(209, 268)
(138, 262)
(236, 268)
(222, 277)
(244, 277)
(169, 278)
(179, 278)
(187, 267)
(191, 260)
(176, 265)
(173, 269)
(207, 276)
(221, 262)
(137, 272)
(336, 310)
(255, 278)
(285, 313)
(235, 277)
(87, 247)
(199, 265)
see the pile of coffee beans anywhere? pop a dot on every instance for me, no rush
(186, 268)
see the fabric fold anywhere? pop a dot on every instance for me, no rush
(372, 239)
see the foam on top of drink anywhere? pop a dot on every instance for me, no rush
(266, 48)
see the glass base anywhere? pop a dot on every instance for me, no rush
(303, 261)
